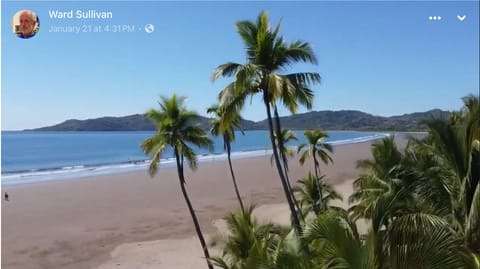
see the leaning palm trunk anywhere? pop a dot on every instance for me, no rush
(296, 222)
(227, 144)
(317, 177)
(190, 208)
(284, 160)
(290, 189)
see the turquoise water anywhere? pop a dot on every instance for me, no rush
(38, 156)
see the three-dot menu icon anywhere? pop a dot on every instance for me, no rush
(439, 18)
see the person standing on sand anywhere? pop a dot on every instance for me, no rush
(6, 196)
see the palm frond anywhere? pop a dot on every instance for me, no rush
(226, 70)
(337, 240)
(424, 241)
(300, 51)
(315, 195)
(175, 128)
(448, 141)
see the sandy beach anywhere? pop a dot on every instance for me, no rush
(85, 223)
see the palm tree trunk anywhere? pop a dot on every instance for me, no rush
(319, 189)
(285, 161)
(190, 208)
(296, 222)
(299, 210)
(315, 163)
(227, 144)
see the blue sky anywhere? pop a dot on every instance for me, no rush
(384, 58)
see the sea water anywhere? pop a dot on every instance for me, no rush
(29, 157)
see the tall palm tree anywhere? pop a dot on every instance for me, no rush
(317, 148)
(267, 54)
(176, 129)
(224, 125)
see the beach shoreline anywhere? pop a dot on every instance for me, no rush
(78, 223)
(85, 169)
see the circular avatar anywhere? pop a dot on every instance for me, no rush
(25, 24)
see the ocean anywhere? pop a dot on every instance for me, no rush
(30, 157)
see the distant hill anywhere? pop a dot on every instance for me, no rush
(356, 120)
(136, 122)
(327, 120)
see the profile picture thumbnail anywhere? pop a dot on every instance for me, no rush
(25, 24)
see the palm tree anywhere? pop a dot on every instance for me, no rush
(251, 245)
(176, 129)
(379, 194)
(336, 242)
(310, 200)
(222, 125)
(456, 141)
(248, 242)
(316, 148)
(386, 189)
(268, 53)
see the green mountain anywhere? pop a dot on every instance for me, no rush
(327, 120)
(136, 122)
(356, 120)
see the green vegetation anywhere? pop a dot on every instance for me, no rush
(422, 203)
(316, 148)
(224, 124)
(268, 54)
(315, 195)
(176, 129)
